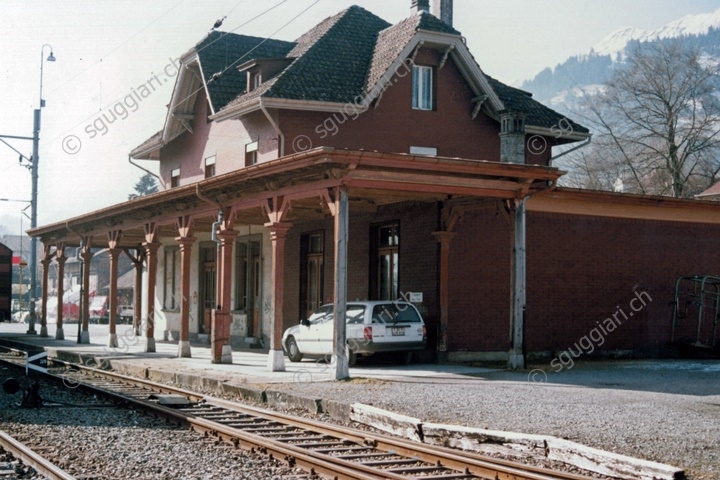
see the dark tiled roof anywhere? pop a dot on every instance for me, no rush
(331, 60)
(222, 53)
(537, 114)
(334, 65)
(341, 58)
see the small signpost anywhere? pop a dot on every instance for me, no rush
(37, 362)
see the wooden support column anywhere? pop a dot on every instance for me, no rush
(113, 302)
(278, 231)
(114, 252)
(186, 241)
(137, 260)
(46, 261)
(516, 357)
(444, 238)
(449, 216)
(61, 259)
(186, 244)
(86, 257)
(340, 214)
(151, 246)
(221, 350)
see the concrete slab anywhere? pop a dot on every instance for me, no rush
(248, 367)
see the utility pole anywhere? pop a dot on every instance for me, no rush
(34, 196)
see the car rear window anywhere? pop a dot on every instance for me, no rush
(355, 313)
(395, 313)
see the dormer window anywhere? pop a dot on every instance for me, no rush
(422, 83)
(175, 178)
(254, 80)
(259, 70)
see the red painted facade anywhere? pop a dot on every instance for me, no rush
(393, 125)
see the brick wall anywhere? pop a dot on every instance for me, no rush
(581, 270)
(394, 126)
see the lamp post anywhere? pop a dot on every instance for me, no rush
(34, 197)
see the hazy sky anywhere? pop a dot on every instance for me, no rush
(104, 49)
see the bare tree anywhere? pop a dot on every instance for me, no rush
(656, 123)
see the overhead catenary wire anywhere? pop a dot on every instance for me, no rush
(219, 74)
(113, 102)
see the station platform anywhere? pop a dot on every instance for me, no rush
(247, 366)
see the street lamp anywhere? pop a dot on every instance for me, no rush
(34, 174)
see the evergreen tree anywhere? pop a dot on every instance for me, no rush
(145, 186)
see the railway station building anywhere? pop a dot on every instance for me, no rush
(381, 160)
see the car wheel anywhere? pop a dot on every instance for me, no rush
(293, 351)
(352, 357)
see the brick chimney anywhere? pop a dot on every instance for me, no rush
(418, 6)
(443, 9)
(512, 136)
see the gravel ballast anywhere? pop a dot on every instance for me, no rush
(112, 443)
(664, 411)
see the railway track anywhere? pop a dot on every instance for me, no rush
(322, 449)
(32, 459)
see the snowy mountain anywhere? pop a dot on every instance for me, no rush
(618, 40)
(560, 87)
(697, 24)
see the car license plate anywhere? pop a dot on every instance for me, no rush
(398, 331)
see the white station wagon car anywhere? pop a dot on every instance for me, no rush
(376, 326)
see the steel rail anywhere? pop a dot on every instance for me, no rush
(475, 464)
(29, 457)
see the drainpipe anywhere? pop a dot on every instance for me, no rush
(146, 171)
(276, 127)
(516, 356)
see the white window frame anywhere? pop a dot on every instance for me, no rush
(415, 150)
(422, 88)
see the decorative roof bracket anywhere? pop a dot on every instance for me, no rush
(445, 55)
(478, 101)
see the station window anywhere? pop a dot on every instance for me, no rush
(251, 150)
(384, 261)
(210, 167)
(422, 85)
(171, 284)
(311, 272)
(175, 178)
